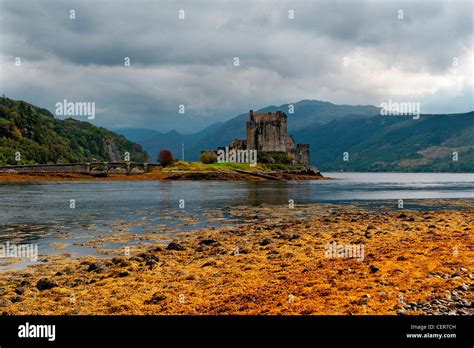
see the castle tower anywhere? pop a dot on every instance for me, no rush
(267, 131)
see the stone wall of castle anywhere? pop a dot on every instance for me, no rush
(267, 131)
(302, 153)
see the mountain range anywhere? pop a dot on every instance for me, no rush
(306, 113)
(371, 142)
(341, 137)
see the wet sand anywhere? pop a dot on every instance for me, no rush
(274, 261)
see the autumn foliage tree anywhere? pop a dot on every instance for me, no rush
(165, 157)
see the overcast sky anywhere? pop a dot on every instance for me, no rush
(344, 52)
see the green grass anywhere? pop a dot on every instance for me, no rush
(200, 167)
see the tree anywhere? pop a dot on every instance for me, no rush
(165, 157)
(208, 157)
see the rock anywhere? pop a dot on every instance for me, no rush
(151, 264)
(68, 270)
(218, 251)
(45, 284)
(97, 267)
(16, 299)
(175, 246)
(120, 262)
(463, 287)
(122, 274)
(148, 257)
(402, 216)
(77, 282)
(24, 283)
(19, 291)
(265, 241)
(209, 263)
(208, 242)
(373, 269)
(401, 312)
(156, 298)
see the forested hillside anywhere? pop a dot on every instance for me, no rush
(39, 137)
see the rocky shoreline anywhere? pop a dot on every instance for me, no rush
(274, 261)
(160, 175)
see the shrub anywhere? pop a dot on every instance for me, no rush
(165, 158)
(208, 157)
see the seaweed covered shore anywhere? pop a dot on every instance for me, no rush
(274, 261)
(178, 171)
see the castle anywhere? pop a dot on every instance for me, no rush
(267, 131)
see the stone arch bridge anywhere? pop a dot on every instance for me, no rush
(92, 168)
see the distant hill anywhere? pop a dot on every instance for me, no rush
(41, 138)
(154, 141)
(137, 134)
(393, 143)
(309, 113)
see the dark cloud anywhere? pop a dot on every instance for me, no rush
(190, 61)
